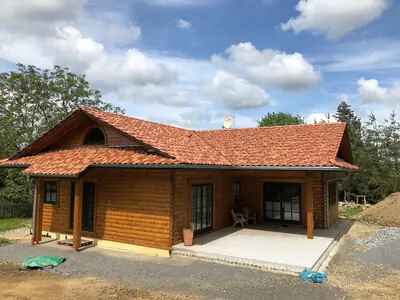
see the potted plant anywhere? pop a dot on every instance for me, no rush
(188, 236)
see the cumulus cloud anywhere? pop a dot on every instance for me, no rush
(321, 118)
(270, 67)
(152, 93)
(130, 67)
(183, 24)
(70, 48)
(36, 15)
(334, 18)
(369, 91)
(235, 92)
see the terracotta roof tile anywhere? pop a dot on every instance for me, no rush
(184, 145)
(75, 161)
(278, 146)
(313, 145)
(298, 145)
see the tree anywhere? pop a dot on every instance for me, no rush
(33, 100)
(376, 150)
(357, 182)
(280, 118)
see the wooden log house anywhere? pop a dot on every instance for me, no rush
(133, 184)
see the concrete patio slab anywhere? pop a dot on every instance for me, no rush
(265, 246)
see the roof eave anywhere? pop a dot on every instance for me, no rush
(221, 167)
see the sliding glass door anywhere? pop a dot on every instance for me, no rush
(282, 202)
(201, 207)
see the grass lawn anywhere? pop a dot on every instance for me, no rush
(10, 224)
(352, 212)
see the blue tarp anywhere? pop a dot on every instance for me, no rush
(311, 276)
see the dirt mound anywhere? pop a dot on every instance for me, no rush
(386, 212)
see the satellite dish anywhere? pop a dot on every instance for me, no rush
(228, 123)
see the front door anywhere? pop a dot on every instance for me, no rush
(282, 202)
(88, 197)
(201, 207)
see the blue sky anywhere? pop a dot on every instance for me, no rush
(192, 63)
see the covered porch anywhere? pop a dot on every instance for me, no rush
(266, 245)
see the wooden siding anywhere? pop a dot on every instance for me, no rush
(134, 206)
(319, 199)
(75, 137)
(130, 207)
(334, 209)
(56, 216)
(222, 182)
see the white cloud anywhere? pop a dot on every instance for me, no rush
(344, 98)
(132, 67)
(334, 18)
(193, 117)
(270, 67)
(152, 93)
(180, 2)
(183, 24)
(364, 55)
(70, 48)
(235, 92)
(321, 117)
(370, 91)
(36, 15)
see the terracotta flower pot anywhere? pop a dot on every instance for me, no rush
(188, 237)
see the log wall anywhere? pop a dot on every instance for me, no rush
(134, 206)
(130, 207)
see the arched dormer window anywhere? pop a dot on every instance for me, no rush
(94, 137)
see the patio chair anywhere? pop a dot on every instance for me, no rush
(237, 219)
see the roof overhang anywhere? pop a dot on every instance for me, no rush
(214, 167)
(185, 167)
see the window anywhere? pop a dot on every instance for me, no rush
(202, 207)
(50, 192)
(94, 137)
(237, 187)
(332, 193)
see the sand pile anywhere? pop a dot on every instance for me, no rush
(386, 212)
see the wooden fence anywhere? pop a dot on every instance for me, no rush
(15, 210)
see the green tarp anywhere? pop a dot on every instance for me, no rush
(43, 262)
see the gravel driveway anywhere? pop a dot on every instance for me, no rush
(176, 275)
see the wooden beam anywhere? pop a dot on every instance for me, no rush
(39, 210)
(310, 207)
(78, 215)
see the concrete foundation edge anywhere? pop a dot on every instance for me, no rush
(115, 245)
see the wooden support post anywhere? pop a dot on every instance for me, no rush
(78, 215)
(310, 207)
(39, 210)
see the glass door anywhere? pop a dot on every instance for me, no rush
(282, 202)
(201, 207)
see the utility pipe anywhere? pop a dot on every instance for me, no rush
(345, 177)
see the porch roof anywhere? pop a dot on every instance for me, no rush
(72, 162)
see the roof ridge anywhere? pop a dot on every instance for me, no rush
(269, 127)
(212, 147)
(88, 109)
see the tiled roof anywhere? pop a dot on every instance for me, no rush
(186, 146)
(279, 146)
(300, 145)
(75, 161)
